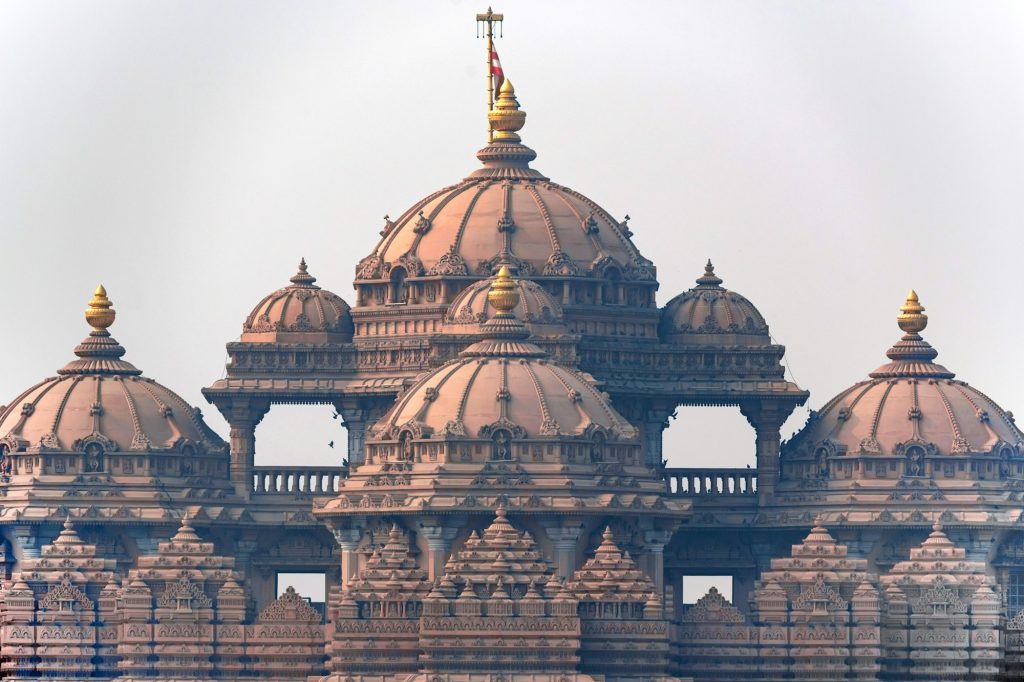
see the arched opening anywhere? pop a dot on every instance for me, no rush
(914, 465)
(301, 435)
(399, 292)
(611, 287)
(709, 437)
(405, 451)
(501, 446)
(93, 458)
(597, 446)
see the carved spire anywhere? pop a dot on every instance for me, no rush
(186, 533)
(302, 278)
(68, 535)
(709, 280)
(912, 356)
(99, 353)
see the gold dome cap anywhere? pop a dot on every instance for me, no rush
(99, 353)
(912, 356)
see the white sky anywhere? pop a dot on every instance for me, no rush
(827, 155)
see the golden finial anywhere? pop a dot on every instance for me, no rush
(912, 319)
(506, 117)
(100, 314)
(503, 296)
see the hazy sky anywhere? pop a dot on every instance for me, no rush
(826, 155)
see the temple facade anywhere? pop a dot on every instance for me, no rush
(505, 513)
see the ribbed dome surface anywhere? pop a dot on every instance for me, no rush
(532, 397)
(503, 382)
(121, 412)
(886, 416)
(709, 314)
(910, 402)
(506, 212)
(536, 307)
(299, 313)
(101, 399)
(546, 229)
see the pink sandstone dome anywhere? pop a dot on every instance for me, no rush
(103, 400)
(709, 314)
(910, 407)
(504, 382)
(506, 212)
(301, 312)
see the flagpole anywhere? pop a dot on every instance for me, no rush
(487, 19)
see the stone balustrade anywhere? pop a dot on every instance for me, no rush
(683, 482)
(302, 480)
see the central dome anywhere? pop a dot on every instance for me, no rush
(506, 212)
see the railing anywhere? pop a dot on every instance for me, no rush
(292, 480)
(711, 482)
(678, 482)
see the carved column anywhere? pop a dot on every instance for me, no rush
(767, 417)
(147, 539)
(348, 540)
(653, 429)
(31, 541)
(244, 549)
(654, 559)
(243, 415)
(565, 544)
(651, 417)
(439, 544)
(357, 416)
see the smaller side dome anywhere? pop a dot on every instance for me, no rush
(299, 313)
(99, 404)
(536, 307)
(912, 409)
(709, 314)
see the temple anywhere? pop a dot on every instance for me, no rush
(505, 512)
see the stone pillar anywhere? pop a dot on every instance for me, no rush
(243, 415)
(676, 582)
(348, 539)
(654, 559)
(564, 543)
(147, 540)
(31, 540)
(651, 416)
(244, 549)
(767, 417)
(358, 415)
(439, 544)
